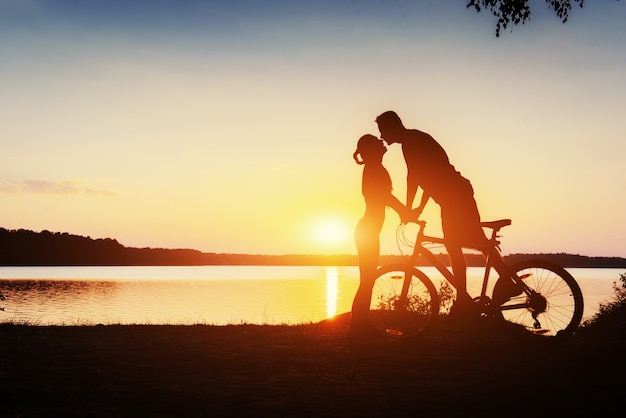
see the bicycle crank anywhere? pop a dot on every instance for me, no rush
(483, 304)
(537, 304)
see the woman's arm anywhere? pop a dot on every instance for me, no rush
(394, 203)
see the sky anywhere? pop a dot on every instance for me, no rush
(229, 126)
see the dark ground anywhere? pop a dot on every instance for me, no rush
(306, 370)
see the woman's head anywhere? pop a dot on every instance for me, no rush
(370, 149)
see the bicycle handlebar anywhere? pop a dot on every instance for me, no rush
(420, 236)
(418, 221)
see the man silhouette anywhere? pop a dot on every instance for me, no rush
(428, 167)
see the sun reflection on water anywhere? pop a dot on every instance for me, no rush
(332, 290)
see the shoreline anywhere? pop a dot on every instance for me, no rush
(301, 370)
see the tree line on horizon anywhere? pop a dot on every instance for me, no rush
(27, 248)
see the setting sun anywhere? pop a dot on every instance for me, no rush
(330, 231)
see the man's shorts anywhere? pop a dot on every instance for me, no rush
(460, 219)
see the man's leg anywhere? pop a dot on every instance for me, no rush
(460, 222)
(459, 269)
(507, 288)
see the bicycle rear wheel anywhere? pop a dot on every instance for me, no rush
(553, 310)
(404, 301)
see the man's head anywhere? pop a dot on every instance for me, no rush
(390, 126)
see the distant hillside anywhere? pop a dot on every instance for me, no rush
(24, 247)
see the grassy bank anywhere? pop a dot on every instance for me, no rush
(305, 370)
(310, 370)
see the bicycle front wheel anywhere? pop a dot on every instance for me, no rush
(553, 309)
(404, 301)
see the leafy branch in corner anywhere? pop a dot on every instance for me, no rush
(518, 11)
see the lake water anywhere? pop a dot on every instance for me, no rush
(215, 295)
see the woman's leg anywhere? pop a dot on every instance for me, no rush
(367, 243)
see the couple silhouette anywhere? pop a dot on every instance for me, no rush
(428, 168)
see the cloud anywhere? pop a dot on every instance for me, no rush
(65, 187)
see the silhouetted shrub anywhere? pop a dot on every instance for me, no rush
(612, 312)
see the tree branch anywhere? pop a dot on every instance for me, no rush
(518, 11)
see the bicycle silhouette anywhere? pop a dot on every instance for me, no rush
(405, 301)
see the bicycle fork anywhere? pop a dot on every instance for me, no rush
(406, 283)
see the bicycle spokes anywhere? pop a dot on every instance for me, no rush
(403, 301)
(551, 304)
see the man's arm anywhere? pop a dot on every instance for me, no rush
(418, 210)
(411, 189)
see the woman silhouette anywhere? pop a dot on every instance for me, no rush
(376, 189)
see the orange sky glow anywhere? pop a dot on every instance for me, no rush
(231, 129)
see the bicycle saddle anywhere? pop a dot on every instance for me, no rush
(495, 225)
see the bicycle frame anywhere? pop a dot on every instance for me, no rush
(534, 296)
(489, 251)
